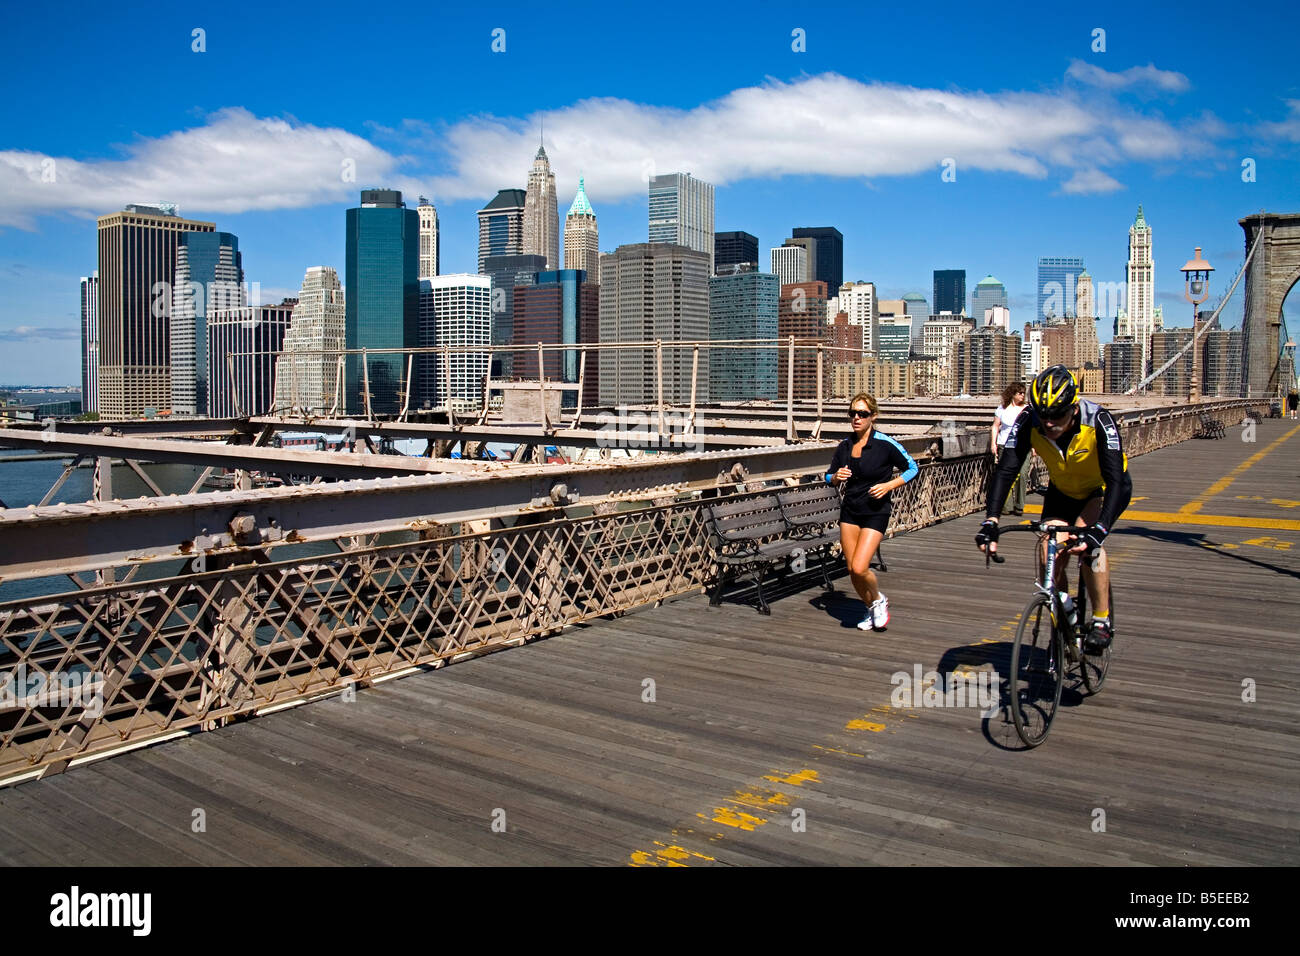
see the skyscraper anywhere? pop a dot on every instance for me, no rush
(652, 291)
(733, 249)
(581, 237)
(90, 343)
(306, 371)
(242, 343)
(743, 305)
(1058, 278)
(801, 312)
(507, 274)
(858, 300)
(1140, 276)
(790, 264)
(383, 297)
(455, 310)
(501, 226)
(558, 308)
(541, 235)
(430, 250)
(950, 291)
(988, 293)
(209, 276)
(828, 266)
(681, 212)
(137, 266)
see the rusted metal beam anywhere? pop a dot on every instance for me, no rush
(36, 542)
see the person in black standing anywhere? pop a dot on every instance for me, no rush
(864, 466)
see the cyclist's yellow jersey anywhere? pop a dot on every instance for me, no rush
(1078, 471)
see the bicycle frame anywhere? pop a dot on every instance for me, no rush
(1072, 633)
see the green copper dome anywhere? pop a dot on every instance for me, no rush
(581, 207)
(987, 280)
(1139, 221)
(913, 297)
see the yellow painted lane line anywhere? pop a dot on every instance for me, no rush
(1222, 484)
(1210, 521)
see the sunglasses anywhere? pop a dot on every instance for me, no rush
(858, 413)
(1061, 419)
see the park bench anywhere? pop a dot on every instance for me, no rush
(758, 532)
(1210, 427)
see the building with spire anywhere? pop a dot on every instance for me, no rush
(541, 212)
(1140, 279)
(430, 252)
(581, 237)
(501, 226)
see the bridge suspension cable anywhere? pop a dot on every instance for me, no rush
(1205, 327)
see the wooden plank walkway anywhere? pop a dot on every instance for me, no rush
(761, 724)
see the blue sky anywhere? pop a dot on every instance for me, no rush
(1054, 143)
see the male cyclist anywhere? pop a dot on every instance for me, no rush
(1089, 483)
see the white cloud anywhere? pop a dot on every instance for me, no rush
(1139, 77)
(233, 163)
(1086, 181)
(824, 125)
(1287, 129)
(31, 333)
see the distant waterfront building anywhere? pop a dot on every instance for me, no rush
(456, 311)
(1058, 278)
(998, 315)
(1058, 343)
(858, 300)
(137, 266)
(1120, 359)
(801, 312)
(733, 249)
(845, 340)
(743, 305)
(1084, 297)
(1140, 276)
(430, 250)
(790, 264)
(507, 274)
(541, 212)
(988, 293)
(209, 277)
(1032, 357)
(877, 377)
(985, 361)
(1177, 379)
(681, 212)
(827, 264)
(581, 236)
(501, 226)
(1222, 363)
(306, 373)
(950, 291)
(383, 298)
(938, 335)
(242, 343)
(894, 337)
(558, 307)
(90, 342)
(652, 291)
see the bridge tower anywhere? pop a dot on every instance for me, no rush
(1269, 277)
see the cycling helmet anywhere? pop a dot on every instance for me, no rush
(1053, 392)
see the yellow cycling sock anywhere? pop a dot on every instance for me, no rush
(1101, 616)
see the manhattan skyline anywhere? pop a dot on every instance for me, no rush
(1053, 143)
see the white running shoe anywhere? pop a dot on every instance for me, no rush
(880, 613)
(867, 623)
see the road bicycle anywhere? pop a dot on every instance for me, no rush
(1049, 642)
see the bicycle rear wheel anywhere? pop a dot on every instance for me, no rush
(1037, 672)
(1094, 667)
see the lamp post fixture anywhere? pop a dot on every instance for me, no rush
(1196, 279)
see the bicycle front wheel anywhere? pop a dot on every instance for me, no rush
(1037, 672)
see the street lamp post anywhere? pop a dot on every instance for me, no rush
(1196, 280)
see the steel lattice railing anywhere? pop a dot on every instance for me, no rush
(106, 668)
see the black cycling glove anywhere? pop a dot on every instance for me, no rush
(988, 532)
